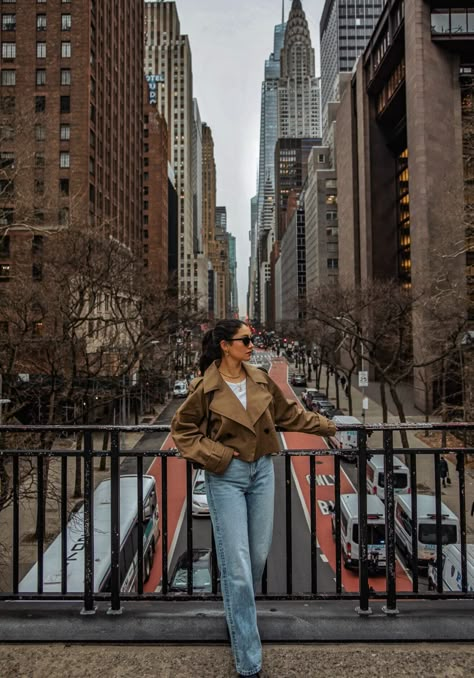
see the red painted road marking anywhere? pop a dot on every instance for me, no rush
(325, 466)
(176, 499)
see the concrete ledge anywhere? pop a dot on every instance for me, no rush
(202, 623)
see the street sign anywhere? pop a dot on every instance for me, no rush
(363, 379)
(365, 403)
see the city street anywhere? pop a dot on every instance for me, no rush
(301, 566)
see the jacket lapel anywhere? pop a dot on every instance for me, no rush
(258, 397)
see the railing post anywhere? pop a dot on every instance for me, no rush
(414, 521)
(89, 607)
(363, 609)
(115, 523)
(189, 526)
(289, 542)
(462, 518)
(439, 546)
(16, 523)
(312, 508)
(337, 522)
(140, 567)
(391, 607)
(164, 524)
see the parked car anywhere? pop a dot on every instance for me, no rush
(180, 389)
(309, 394)
(321, 406)
(202, 572)
(298, 380)
(199, 497)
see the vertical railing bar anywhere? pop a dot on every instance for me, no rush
(390, 555)
(64, 543)
(439, 546)
(16, 522)
(213, 561)
(312, 510)
(115, 522)
(88, 524)
(289, 542)
(40, 521)
(189, 526)
(140, 525)
(462, 517)
(414, 521)
(363, 608)
(337, 526)
(164, 524)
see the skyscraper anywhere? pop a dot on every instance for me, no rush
(168, 55)
(75, 115)
(345, 28)
(298, 90)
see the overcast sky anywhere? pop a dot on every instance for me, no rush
(230, 40)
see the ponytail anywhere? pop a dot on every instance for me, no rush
(211, 349)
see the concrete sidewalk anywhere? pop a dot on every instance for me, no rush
(425, 463)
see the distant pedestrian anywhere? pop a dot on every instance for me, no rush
(227, 425)
(443, 470)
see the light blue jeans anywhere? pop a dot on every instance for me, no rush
(241, 503)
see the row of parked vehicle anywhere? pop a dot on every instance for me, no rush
(426, 537)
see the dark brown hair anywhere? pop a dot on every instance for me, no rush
(211, 350)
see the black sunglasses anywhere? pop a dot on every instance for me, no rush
(245, 340)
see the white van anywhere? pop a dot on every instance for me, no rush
(426, 530)
(346, 439)
(452, 576)
(376, 476)
(350, 531)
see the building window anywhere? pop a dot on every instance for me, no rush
(41, 22)
(41, 50)
(7, 159)
(64, 159)
(65, 22)
(39, 186)
(4, 272)
(40, 104)
(40, 77)
(66, 50)
(65, 76)
(65, 132)
(65, 104)
(64, 186)
(63, 216)
(39, 159)
(37, 270)
(38, 329)
(8, 22)
(8, 78)
(40, 132)
(333, 264)
(8, 50)
(4, 327)
(5, 247)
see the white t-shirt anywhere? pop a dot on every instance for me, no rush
(240, 390)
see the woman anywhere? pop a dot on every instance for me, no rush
(227, 425)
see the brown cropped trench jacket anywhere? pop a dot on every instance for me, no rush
(249, 432)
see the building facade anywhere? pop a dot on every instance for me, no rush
(321, 222)
(71, 107)
(155, 192)
(298, 89)
(405, 186)
(168, 54)
(345, 29)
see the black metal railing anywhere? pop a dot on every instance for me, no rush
(13, 479)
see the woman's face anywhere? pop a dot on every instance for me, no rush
(236, 348)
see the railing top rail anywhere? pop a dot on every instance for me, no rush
(162, 428)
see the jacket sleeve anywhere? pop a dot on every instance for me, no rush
(187, 428)
(290, 416)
